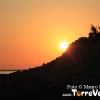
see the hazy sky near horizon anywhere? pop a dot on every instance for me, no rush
(31, 30)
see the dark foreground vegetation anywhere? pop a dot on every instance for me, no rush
(79, 65)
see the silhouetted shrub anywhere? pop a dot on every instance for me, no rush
(95, 33)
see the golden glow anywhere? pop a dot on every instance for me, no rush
(31, 29)
(63, 45)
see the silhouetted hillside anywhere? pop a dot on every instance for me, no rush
(79, 65)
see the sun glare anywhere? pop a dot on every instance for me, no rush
(63, 45)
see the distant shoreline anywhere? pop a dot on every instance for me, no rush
(6, 72)
(2, 72)
(13, 70)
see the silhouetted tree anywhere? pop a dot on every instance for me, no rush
(94, 29)
(95, 33)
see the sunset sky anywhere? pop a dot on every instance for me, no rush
(31, 30)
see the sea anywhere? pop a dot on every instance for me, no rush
(6, 72)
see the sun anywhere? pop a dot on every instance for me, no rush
(63, 45)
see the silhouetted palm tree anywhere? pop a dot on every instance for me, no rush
(93, 29)
(95, 33)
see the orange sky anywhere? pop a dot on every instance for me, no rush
(31, 30)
